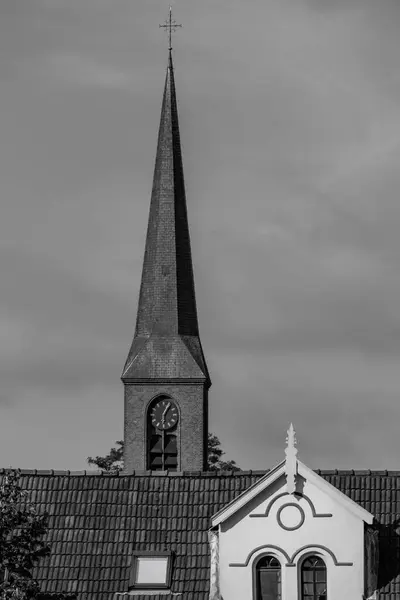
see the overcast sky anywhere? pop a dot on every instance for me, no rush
(290, 126)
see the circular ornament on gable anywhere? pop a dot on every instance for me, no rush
(290, 516)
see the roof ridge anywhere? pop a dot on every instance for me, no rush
(100, 473)
(202, 474)
(55, 472)
(361, 472)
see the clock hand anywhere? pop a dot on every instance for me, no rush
(166, 410)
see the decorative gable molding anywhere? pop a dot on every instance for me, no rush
(310, 503)
(332, 491)
(244, 498)
(291, 460)
(303, 471)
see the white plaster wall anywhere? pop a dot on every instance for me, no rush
(342, 534)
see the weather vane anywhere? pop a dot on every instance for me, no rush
(170, 25)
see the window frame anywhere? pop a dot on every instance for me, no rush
(300, 572)
(175, 430)
(134, 569)
(256, 570)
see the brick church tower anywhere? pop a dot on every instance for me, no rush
(165, 377)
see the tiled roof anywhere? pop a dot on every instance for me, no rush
(97, 520)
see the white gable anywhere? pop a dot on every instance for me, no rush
(291, 513)
(307, 475)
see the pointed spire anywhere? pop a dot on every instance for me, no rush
(291, 460)
(167, 303)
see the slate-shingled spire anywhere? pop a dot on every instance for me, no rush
(167, 302)
(166, 357)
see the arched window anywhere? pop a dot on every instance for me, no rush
(313, 579)
(268, 579)
(162, 434)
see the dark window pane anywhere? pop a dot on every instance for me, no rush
(171, 445)
(320, 575)
(268, 562)
(308, 589)
(156, 463)
(269, 585)
(156, 444)
(306, 564)
(170, 462)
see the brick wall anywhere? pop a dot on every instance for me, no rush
(192, 402)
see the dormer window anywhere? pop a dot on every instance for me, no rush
(151, 570)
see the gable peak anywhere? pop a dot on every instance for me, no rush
(291, 460)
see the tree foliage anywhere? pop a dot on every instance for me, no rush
(21, 540)
(215, 454)
(114, 460)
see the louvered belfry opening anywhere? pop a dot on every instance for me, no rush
(163, 450)
(162, 444)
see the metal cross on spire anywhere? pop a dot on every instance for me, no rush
(170, 25)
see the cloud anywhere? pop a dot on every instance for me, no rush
(81, 70)
(58, 339)
(304, 290)
(336, 400)
(290, 129)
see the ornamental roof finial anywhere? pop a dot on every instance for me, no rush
(291, 460)
(170, 25)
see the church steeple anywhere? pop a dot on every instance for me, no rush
(167, 299)
(166, 351)
(167, 302)
(167, 277)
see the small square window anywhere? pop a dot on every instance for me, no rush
(151, 570)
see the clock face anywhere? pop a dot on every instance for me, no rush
(164, 414)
